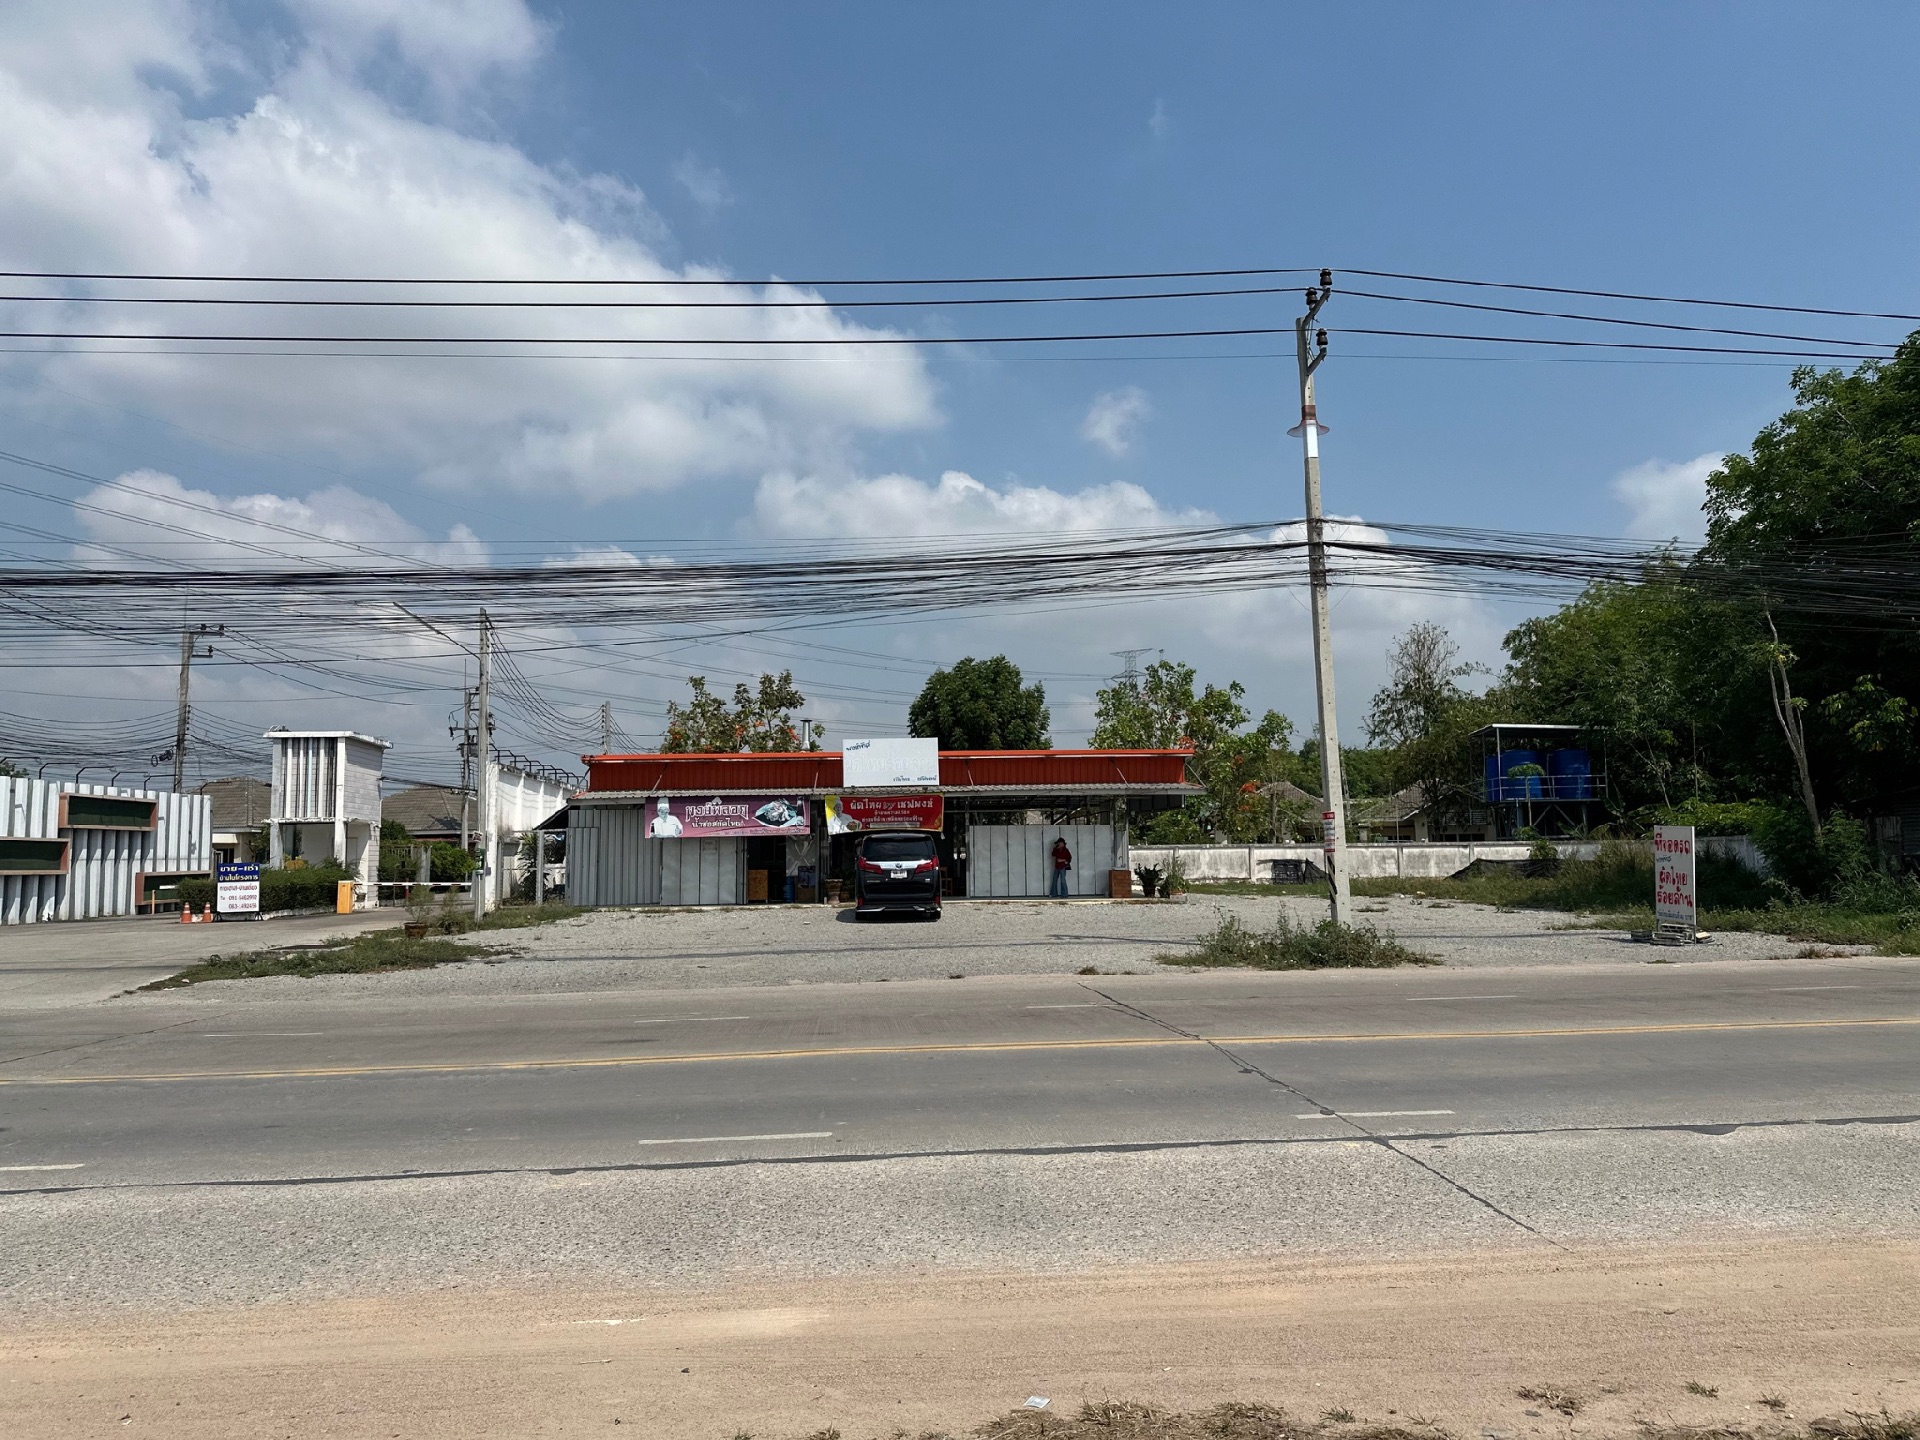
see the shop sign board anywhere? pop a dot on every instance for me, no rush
(847, 814)
(673, 817)
(1673, 893)
(236, 890)
(890, 764)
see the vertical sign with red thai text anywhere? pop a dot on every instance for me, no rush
(1674, 903)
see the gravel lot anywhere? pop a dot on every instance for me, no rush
(800, 945)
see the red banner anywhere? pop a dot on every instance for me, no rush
(849, 813)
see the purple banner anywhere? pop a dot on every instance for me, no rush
(672, 817)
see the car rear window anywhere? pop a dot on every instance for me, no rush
(897, 847)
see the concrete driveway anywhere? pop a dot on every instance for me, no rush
(71, 962)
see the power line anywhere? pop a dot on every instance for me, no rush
(783, 341)
(816, 304)
(1630, 295)
(664, 280)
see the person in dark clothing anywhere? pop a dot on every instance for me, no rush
(1062, 863)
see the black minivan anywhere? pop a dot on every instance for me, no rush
(897, 870)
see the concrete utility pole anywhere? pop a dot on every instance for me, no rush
(466, 767)
(189, 652)
(1333, 819)
(606, 727)
(483, 751)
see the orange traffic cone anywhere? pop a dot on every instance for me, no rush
(206, 914)
(186, 914)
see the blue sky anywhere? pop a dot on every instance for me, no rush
(1759, 152)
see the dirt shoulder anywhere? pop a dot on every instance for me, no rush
(1827, 1328)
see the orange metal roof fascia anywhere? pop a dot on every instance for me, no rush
(1000, 767)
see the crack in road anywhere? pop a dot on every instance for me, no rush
(1247, 1067)
(100, 1040)
(1708, 1129)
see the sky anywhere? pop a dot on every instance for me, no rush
(1693, 150)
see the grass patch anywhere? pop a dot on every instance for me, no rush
(1616, 889)
(520, 917)
(1293, 946)
(373, 952)
(361, 955)
(1254, 887)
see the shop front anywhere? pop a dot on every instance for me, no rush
(756, 829)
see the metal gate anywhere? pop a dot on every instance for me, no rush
(1014, 860)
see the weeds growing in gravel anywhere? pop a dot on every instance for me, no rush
(1554, 1399)
(373, 952)
(1293, 946)
(360, 955)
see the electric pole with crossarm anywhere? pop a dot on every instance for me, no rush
(1333, 819)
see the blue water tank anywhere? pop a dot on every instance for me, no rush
(1571, 771)
(1493, 778)
(1519, 787)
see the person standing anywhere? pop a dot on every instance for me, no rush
(1062, 863)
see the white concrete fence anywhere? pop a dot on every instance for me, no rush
(1428, 860)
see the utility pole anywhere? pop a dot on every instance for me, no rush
(483, 751)
(1333, 819)
(606, 727)
(189, 652)
(466, 765)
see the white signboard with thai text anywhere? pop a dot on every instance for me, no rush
(890, 764)
(1674, 903)
(237, 890)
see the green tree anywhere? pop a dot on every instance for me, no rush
(1840, 468)
(1162, 710)
(1425, 718)
(1675, 683)
(981, 705)
(396, 851)
(759, 720)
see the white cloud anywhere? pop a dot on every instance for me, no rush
(1159, 123)
(900, 505)
(706, 184)
(451, 42)
(1114, 419)
(318, 173)
(145, 515)
(1663, 498)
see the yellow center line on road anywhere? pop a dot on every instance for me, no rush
(602, 1062)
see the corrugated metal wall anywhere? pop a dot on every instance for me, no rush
(305, 780)
(610, 861)
(1012, 860)
(101, 863)
(364, 765)
(702, 872)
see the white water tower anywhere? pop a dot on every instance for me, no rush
(326, 799)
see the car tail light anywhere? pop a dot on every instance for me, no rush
(861, 862)
(927, 865)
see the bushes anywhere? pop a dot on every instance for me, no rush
(1293, 946)
(312, 887)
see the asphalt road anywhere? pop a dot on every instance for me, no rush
(217, 1142)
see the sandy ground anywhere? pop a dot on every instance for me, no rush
(797, 945)
(1447, 1341)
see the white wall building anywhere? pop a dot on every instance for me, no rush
(326, 799)
(70, 851)
(520, 801)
